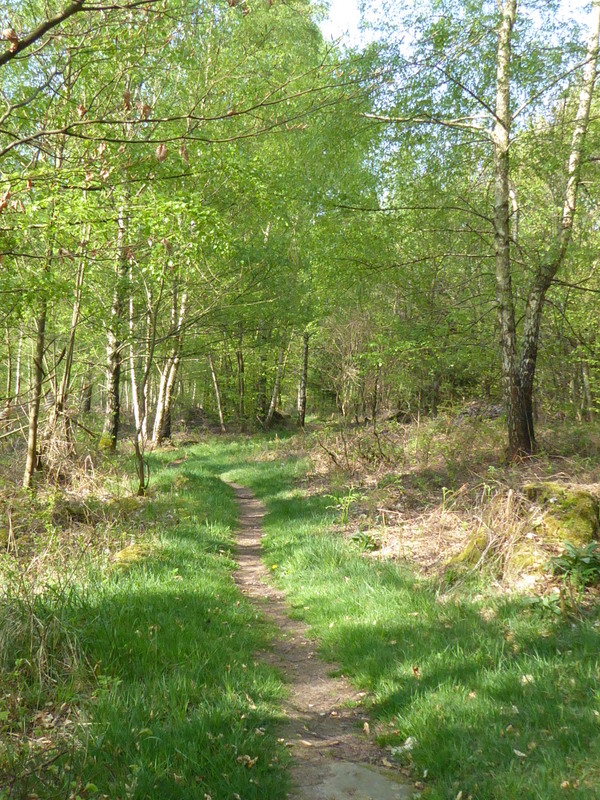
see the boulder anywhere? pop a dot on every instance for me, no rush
(570, 515)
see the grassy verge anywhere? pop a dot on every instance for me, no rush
(135, 675)
(482, 696)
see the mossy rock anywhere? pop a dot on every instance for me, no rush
(570, 515)
(471, 553)
(132, 554)
(527, 559)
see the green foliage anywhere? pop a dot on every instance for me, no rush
(344, 503)
(579, 565)
(365, 541)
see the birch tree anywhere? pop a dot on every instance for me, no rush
(464, 103)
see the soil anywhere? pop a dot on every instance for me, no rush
(327, 729)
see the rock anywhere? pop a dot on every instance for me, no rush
(471, 553)
(571, 515)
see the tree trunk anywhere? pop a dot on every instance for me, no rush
(18, 366)
(276, 384)
(555, 258)
(587, 404)
(36, 395)
(375, 398)
(217, 393)
(113, 344)
(86, 404)
(6, 411)
(519, 433)
(240, 379)
(162, 419)
(59, 424)
(302, 385)
(135, 403)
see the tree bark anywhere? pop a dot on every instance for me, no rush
(113, 344)
(59, 424)
(36, 395)
(276, 384)
(303, 382)
(18, 370)
(556, 257)
(86, 405)
(6, 411)
(162, 419)
(587, 403)
(240, 378)
(135, 404)
(519, 433)
(217, 393)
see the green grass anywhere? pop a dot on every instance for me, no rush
(171, 699)
(502, 697)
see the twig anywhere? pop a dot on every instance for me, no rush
(331, 454)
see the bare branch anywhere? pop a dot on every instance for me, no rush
(459, 124)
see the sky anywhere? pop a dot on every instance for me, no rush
(344, 18)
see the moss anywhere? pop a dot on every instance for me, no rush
(527, 559)
(122, 506)
(132, 554)
(472, 552)
(180, 481)
(106, 443)
(570, 515)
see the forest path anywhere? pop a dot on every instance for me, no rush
(333, 759)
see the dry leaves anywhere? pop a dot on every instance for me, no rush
(9, 35)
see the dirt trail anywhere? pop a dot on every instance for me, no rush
(333, 757)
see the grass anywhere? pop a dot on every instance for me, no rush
(497, 696)
(141, 670)
(138, 678)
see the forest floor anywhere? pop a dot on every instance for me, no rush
(133, 665)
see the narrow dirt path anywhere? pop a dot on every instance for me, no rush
(333, 756)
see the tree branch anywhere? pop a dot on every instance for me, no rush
(36, 34)
(459, 124)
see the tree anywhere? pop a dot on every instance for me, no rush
(468, 105)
